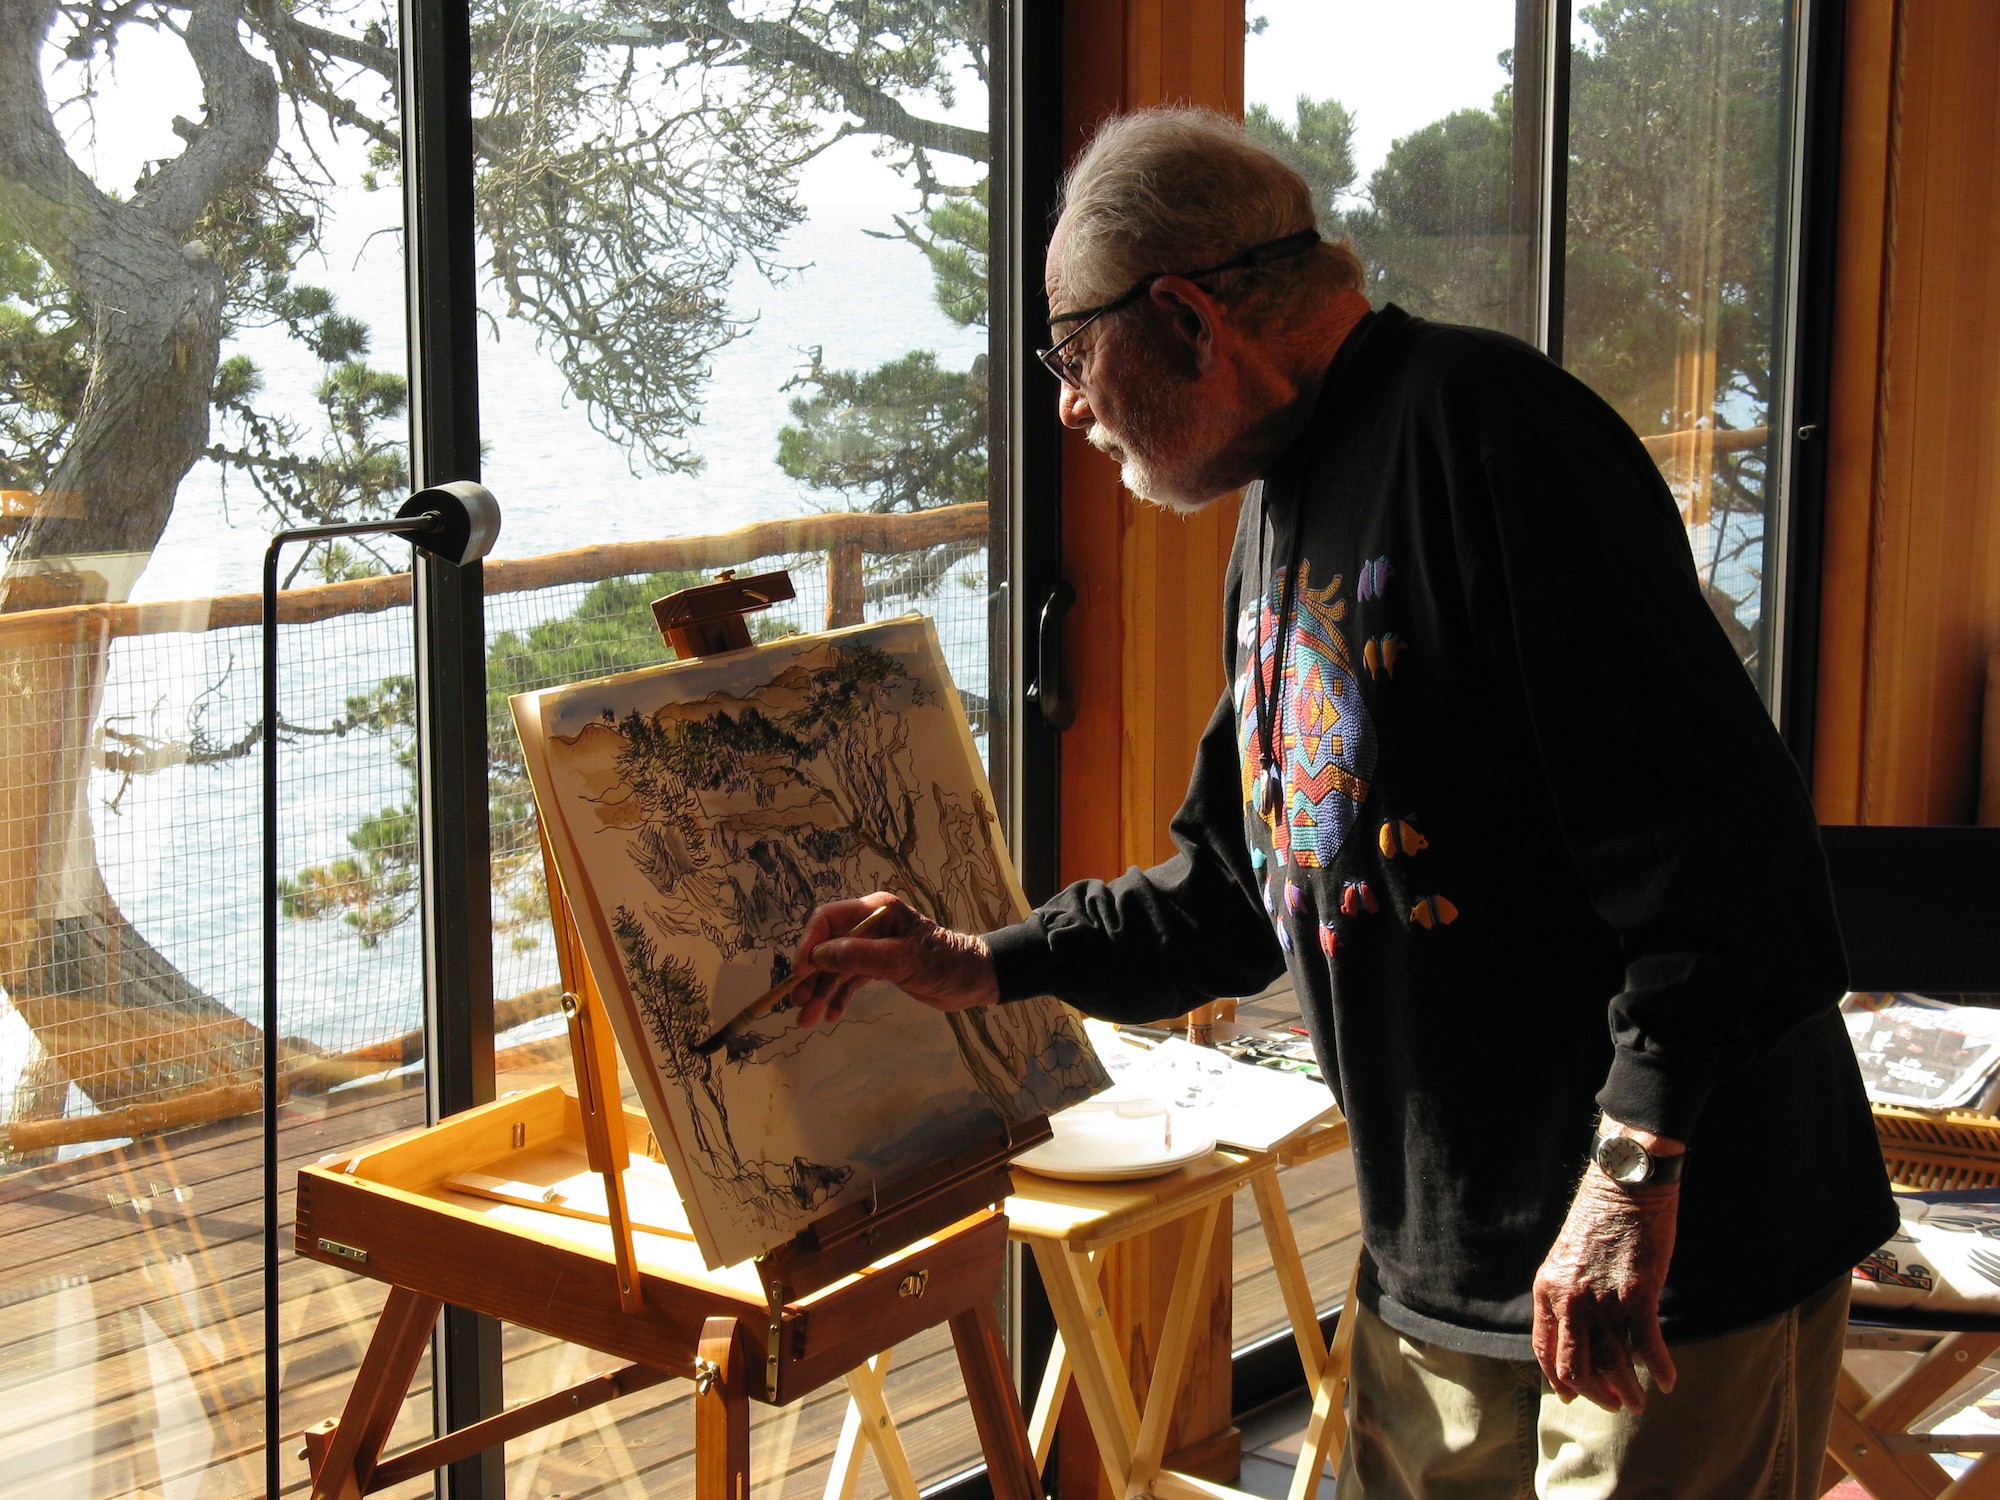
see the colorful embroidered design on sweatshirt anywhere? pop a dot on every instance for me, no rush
(1326, 743)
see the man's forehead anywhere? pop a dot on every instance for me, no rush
(1051, 282)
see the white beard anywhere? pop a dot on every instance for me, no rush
(1139, 480)
(1168, 420)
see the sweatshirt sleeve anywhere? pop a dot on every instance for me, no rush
(1683, 812)
(1157, 942)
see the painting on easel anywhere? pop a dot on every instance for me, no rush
(698, 812)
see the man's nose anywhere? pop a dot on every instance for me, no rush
(1073, 407)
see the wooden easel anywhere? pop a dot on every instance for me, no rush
(809, 1312)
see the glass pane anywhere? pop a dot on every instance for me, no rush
(729, 281)
(201, 341)
(1673, 303)
(1416, 151)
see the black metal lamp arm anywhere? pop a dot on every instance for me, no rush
(459, 523)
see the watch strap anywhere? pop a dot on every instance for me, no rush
(1662, 1170)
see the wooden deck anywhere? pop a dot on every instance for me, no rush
(131, 1333)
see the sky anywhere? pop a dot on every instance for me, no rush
(1362, 52)
(1397, 67)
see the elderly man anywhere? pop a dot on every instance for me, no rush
(1489, 782)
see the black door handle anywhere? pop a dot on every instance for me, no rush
(1046, 691)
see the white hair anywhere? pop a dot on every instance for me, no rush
(1176, 189)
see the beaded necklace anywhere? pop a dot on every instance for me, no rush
(1270, 702)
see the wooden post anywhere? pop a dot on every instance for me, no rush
(1910, 585)
(845, 595)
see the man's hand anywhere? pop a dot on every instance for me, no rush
(1597, 1296)
(946, 970)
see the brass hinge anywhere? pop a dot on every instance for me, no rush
(774, 1290)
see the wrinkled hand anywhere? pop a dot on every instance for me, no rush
(1597, 1296)
(946, 970)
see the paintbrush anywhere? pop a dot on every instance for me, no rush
(776, 999)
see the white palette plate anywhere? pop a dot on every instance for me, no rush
(1100, 1146)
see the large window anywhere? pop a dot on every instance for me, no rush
(731, 273)
(781, 326)
(201, 340)
(1610, 180)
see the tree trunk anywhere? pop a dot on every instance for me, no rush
(69, 957)
(143, 424)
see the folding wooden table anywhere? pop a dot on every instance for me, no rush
(1066, 1225)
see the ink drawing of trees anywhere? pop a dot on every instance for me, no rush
(709, 806)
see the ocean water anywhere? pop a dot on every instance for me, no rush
(859, 299)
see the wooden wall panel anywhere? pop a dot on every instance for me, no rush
(1093, 519)
(1912, 571)
(1145, 643)
(1144, 650)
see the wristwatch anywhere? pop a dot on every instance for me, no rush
(1626, 1162)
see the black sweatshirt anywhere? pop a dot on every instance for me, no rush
(1541, 852)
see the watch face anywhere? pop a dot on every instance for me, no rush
(1623, 1159)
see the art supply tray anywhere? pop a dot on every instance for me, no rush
(448, 1212)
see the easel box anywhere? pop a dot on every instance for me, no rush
(390, 1203)
(532, 1210)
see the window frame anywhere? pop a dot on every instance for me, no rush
(453, 830)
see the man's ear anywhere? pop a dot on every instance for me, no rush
(1195, 317)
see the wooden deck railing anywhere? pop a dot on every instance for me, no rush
(846, 541)
(1713, 439)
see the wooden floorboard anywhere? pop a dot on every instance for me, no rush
(131, 1341)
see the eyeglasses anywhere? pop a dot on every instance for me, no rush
(1068, 368)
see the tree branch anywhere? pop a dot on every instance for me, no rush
(43, 193)
(785, 46)
(353, 49)
(878, 111)
(341, 112)
(241, 130)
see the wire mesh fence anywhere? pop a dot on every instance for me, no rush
(130, 801)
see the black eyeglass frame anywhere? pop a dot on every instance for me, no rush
(1256, 255)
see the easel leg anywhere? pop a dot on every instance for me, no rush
(721, 1414)
(402, 1335)
(996, 1410)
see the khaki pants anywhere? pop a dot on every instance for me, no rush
(1747, 1420)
